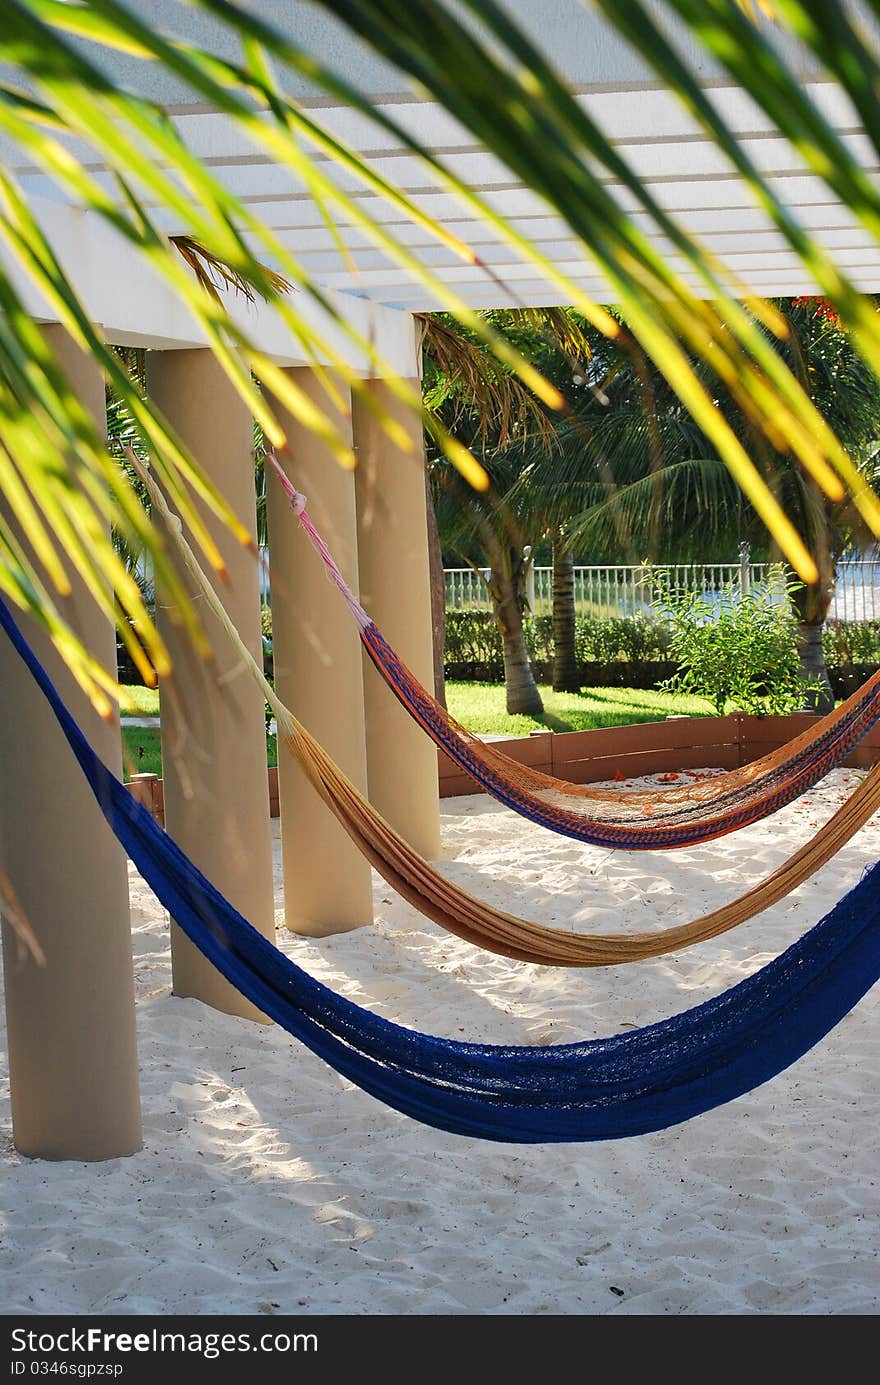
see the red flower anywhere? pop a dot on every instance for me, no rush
(821, 307)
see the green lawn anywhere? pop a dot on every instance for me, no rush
(145, 699)
(142, 754)
(478, 706)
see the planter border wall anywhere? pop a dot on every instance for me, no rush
(587, 757)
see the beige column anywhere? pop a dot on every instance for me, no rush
(396, 591)
(318, 673)
(72, 1050)
(213, 718)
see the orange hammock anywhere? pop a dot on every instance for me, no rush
(633, 819)
(454, 909)
(416, 880)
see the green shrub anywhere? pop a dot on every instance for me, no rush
(472, 637)
(737, 651)
(852, 642)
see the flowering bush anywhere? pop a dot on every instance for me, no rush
(739, 651)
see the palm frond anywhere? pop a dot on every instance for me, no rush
(469, 377)
(214, 274)
(697, 512)
(57, 99)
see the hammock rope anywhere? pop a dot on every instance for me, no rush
(667, 818)
(628, 1084)
(472, 919)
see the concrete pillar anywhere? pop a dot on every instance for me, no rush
(213, 717)
(318, 673)
(72, 1050)
(396, 591)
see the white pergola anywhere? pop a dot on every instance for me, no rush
(683, 170)
(375, 517)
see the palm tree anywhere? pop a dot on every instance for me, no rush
(565, 675)
(485, 520)
(481, 400)
(471, 393)
(650, 479)
(843, 388)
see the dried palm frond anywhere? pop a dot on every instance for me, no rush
(477, 385)
(215, 273)
(473, 380)
(561, 327)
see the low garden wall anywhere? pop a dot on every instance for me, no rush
(653, 747)
(586, 757)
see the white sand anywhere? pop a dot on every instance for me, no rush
(267, 1184)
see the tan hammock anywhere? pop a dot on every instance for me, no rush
(477, 922)
(416, 880)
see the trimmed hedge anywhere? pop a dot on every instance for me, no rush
(632, 651)
(473, 640)
(851, 642)
(129, 674)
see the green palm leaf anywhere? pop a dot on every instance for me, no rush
(56, 102)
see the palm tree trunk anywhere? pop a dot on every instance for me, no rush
(565, 669)
(438, 595)
(812, 604)
(812, 667)
(507, 590)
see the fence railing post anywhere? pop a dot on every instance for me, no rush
(745, 569)
(739, 736)
(530, 579)
(143, 788)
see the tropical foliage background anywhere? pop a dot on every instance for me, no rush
(625, 474)
(730, 372)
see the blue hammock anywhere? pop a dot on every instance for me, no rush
(603, 1089)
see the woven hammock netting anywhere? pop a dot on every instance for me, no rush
(667, 817)
(640, 819)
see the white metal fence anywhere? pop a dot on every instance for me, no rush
(624, 590)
